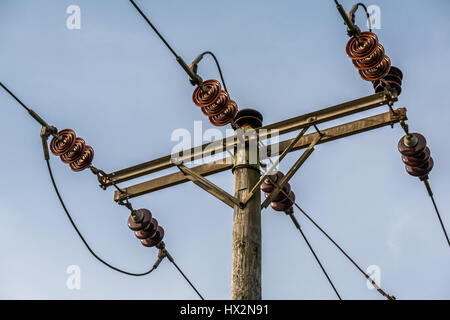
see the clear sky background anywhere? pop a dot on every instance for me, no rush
(120, 89)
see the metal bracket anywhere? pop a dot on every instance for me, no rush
(305, 155)
(210, 187)
(46, 131)
(398, 116)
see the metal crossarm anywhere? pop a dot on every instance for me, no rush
(282, 127)
(330, 134)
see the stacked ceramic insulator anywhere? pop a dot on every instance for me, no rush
(281, 202)
(368, 56)
(145, 227)
(393, 78)
(416, 155)
(72, 150)
(215, 102)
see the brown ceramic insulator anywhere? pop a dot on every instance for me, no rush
(394, 81)
(84, 161)
(68, 138)
(268, 187)
(393, 78)
(226, 116)
(142, 223)
(377, 72)
(396, 72)
(411, 151)
(285, 204)
(157, 238)
(203, 99)
(149, 231)
(75, 153)
(421, 171)
(248, 117)
(417, 160)
(370, 61)
(368, 44)
(218, 106)
(281, 195)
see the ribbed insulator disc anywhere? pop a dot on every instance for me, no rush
(75, 153)
(417, 160)
(283, 205)
(280, 196)
(203, 99)
(149, 231)
(411, 151)
(157, 238)
(218, 106)
(421, 171)
(143, 223)
(226, 116)
(397, 72)
(393, 78)
(369, 43)
(378, 72)
(84, 161)
(370, 61)
(268, 187)
(68, 138)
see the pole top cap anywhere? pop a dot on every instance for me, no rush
(250, 117)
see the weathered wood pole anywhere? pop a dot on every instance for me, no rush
(246, 259)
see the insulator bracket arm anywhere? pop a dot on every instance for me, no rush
(46, 131)
(194, 78)
(352, 29)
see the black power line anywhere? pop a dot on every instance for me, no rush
(163, 253)
(430, 193)
(294, 220)
(195, 78)
(389, 297)
(55, 187)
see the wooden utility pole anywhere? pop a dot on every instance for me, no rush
(246, 258)
(246, 201)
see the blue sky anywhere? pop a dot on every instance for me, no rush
(120, 89)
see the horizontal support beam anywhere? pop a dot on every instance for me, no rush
(283, 127)
(330, 134)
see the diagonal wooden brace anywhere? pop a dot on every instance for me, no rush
(210, 187)
(275, 163)
(292, 171)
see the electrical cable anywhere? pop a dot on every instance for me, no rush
(297, 225)
(389, 297)
(218, 67)
(154, 28)
(195, 78)
(430, 193)
(353, 11)
(55, 187)
(15, 97)
(186, 278)
(97, 172)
